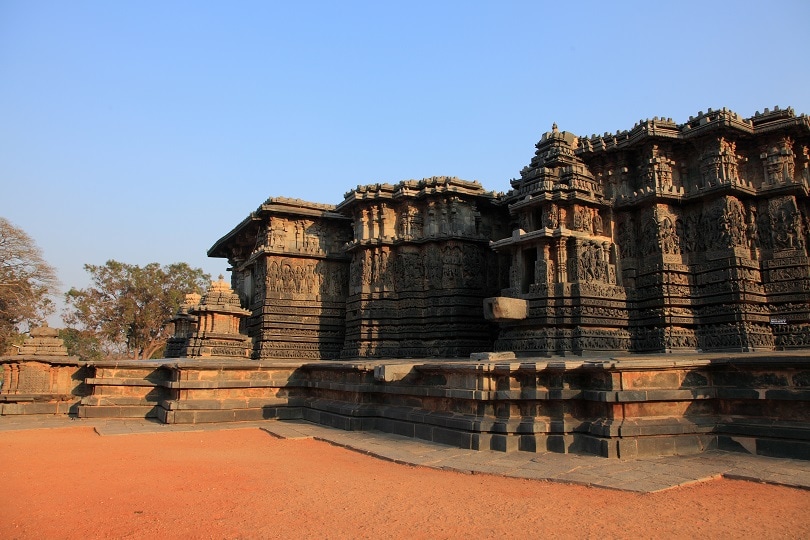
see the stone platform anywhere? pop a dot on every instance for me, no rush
(621, 407)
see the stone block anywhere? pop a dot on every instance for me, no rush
(598, 446)
(493, 356)
(392, 372)
(783, 449)
(745, 445)
(504, 443)
(556, 443)
(694, 444)
(655, 446)
(598, 395)
(285, 413)
(501, 308)
(605, 427)
(30, 408)
(624, 396)
(651, 379)
(627, 448)
(118, 411)
(452, 437)
(395, 426)
(423, 431)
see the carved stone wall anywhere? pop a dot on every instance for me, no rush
(564, 258)
(664, 237)
(420, 269)
(706, 225)
(290, 270)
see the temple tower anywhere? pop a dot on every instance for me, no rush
(563, 259)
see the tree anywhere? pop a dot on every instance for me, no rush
(84, 344)
(26, 282)
(129, 306)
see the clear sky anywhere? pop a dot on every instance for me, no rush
(143, 131)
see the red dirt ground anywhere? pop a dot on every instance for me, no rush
(72, 483)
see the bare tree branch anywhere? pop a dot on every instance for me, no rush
(26, 282)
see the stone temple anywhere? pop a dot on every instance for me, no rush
(638, 293)
(665, 237)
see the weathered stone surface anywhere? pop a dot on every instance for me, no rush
(210, 328)
(290, 270)
(618, 408)
(43, 341)
(665, 237)
(501, 308)
(493, 356)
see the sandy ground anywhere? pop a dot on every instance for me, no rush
(72, 483)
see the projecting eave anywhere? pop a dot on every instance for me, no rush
(219, 249)
(299, 208)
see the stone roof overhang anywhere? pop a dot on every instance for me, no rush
(415, 189)
(720, 121)
(249, 227)
(219, 249)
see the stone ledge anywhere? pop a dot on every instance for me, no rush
(191, 384)
(223, 404)
(117, 411)
(121, 381)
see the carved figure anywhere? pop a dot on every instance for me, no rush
(670, 242)
(786, 226)
(728, 159)
(367, 267)
(651, 239)
(406, 223)
(626, 237)
(523, 219)
(659, 169)
(578, 215)
(453, 217)
(553, 217)
(597, 223)
(587, 220)
(690, 232)
(779, 162)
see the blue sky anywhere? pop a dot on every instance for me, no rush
(144, 131)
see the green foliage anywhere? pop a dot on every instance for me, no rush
(128, 306)
(82, 343)
(26, 283)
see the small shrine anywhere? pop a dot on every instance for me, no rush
(210, 327)
(43, 341)
(185, 326)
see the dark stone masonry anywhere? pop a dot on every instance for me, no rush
(634, 294)
(667, 237)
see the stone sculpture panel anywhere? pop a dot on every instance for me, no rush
(680, 235)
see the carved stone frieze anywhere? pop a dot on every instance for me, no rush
(660, 237)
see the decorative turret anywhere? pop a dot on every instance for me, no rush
(43, 341)
(211, 328)
(185, 325)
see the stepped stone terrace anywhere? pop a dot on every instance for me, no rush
(638, 293)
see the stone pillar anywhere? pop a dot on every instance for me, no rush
(541, 274)
(365, 224)
(374, 221)
(381, 229)
(562, 261)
